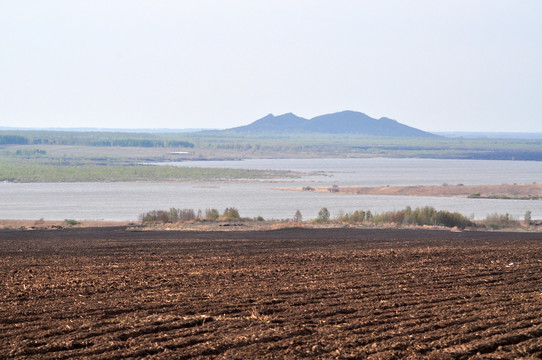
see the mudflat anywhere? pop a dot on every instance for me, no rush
(289, 293)
(511, 191)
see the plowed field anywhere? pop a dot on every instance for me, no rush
(292, 293)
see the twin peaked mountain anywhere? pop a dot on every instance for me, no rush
(345, 122)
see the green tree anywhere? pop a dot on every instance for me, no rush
(323, 215)
(173, 215)
(211, 214)
(231, 213)
(298, 217)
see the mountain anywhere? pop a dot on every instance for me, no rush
(344, 122)
(271, 123)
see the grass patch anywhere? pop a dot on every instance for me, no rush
(37, 172)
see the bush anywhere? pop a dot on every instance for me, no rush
(355, 217)
(155, 216)
(212, 214)
(231, 214)
(186, 215)
(421, 216)
(448, 219)
(323, 215)
(496, 221)
(359, 216)
(396, 217)
(297, 216)
(71, 222)
(173, 215)
(425, 216)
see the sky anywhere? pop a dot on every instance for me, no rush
(436, 65)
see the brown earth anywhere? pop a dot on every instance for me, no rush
(512, 191)
(288, 293)
(48, 224)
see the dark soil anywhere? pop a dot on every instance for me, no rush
(290, 293)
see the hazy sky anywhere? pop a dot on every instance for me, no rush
(473, 65)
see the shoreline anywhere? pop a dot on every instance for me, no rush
(504, 191)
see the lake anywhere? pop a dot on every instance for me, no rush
(126, 201)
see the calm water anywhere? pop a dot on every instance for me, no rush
(125, 201)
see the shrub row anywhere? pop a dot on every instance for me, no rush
(174, 215)
(420, 216)
(496, 221)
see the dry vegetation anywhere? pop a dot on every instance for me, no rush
(427, 216)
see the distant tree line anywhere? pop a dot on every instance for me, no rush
(13, 139)
(92, 141)
(138, 143)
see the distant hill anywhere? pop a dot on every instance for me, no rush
(270, 123)
(344, 122)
